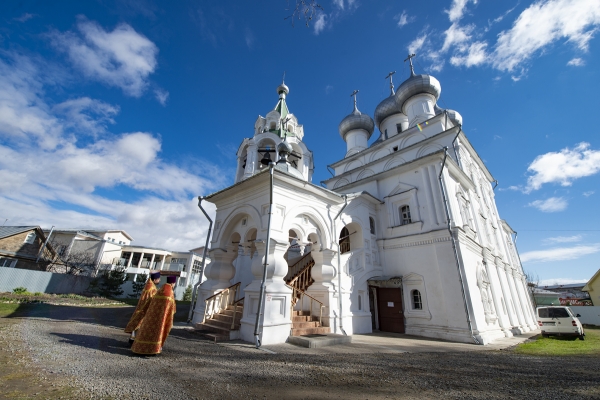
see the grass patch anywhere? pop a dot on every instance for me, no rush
(8, 308)
(563, 346)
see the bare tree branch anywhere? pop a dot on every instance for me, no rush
(304, 9)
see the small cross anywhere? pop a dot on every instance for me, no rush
(391, 83)
(283, 78)
(409, 59)
(354, 95)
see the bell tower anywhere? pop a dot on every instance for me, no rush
(279, 125)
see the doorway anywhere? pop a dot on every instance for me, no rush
(390, 310)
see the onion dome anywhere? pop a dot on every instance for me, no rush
(417, 84)
(285, 149)
(455, 117)
(283, 89)
(356, 120)
(386, 108)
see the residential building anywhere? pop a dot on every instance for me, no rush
(25, 247)
(592, 288)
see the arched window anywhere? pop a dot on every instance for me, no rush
(405, 215)
(416, 300)
(30, 238)
(359, 302)
(344, 241)
(372, 225)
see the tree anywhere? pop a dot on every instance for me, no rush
(138, 285)
(532, 283)
(108, 283)
(72, 262)
(304, 9)
(187, 295)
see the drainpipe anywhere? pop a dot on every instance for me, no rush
(329, 169)
(195, 292)
(495, 186)
(264, 278)
(340, 267)
(460, 278)
(453, 144)
(44, 246)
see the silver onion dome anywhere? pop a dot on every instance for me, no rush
(356, 120)
(283, 89)
(417, 84)
(386, 108)
(455, 117)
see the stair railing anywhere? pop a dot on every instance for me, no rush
(220, 301)
(235, 307)
(300, 295)
(303, 279)
(298, 266)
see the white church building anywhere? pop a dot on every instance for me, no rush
(406, 236)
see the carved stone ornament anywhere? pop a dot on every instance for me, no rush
(483, 282)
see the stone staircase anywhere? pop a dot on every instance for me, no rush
(222, 326)
(303, 323)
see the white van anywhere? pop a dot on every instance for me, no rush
(559, 321)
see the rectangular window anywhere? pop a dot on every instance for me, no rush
(8, 262)
(405, 215)
(398, 128)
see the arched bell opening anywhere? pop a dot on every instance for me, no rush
(242, 162)
(266, 153)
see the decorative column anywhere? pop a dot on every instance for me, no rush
(151, 261)
(251, 153)
(512, 318)
(141, 260)
(490, 267)
(524, 304)
(515, 298)
(130, 259)
(219, 273)
(275, 322)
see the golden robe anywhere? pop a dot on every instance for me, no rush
(157, 323)
(142, 305)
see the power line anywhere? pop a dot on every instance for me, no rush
(559, 230)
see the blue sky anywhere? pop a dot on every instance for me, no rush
(117, 114)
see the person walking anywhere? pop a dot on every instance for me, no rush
(136, 319)
(157, 322)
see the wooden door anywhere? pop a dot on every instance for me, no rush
(391, 314)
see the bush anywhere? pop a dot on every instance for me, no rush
(38, 294)
(20, 290)
(187, 295)
(138, 285)
(108, 283)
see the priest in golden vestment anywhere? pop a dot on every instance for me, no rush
(142, 305)
(157, 322)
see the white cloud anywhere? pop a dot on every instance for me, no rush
(24, 17)
(56, 161)
(560, 281)
(475, 55)
(576, 62)
(328, 89)
(542, 24)
(559, 253)
(417, 44)
(588, 193)
(456, 35)
(563, 239)
(319, 23)
(457, 9)
(403, 19)
(563, 167)
(121, 58)
(552, 204)
(162, 96)
(249, 37)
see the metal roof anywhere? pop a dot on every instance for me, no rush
(6, 231)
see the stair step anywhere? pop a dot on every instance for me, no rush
(226, 318)
(207, 326)
(307, 324)
(311, 331)
(301, 313)
(304, 318)
(217, 337)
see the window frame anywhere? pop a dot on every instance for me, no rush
(417, 301)
(30, 238)
(404, 219)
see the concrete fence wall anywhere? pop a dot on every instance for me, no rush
(41, 281)
(590, 315)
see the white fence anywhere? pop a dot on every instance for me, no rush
(41, 281)
(590, 315)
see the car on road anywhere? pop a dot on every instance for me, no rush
(559, 321)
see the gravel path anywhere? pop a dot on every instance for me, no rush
(88, 350)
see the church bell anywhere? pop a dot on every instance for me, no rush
(266, 160)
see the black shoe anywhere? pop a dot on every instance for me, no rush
(131, 342)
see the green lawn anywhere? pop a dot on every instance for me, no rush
(8, 308)
(563, 346)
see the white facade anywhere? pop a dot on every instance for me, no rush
(420, 229)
